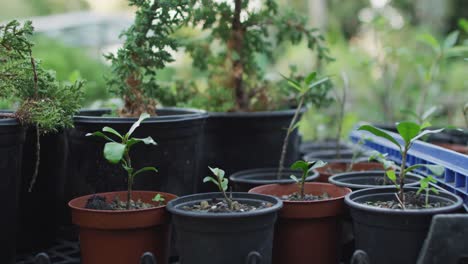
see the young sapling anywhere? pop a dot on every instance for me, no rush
(305, 168)
(118, 151)
(221, 182)
(410, 132)
(301, 91)
(426, 187)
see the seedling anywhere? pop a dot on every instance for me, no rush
(410, 132)
(426, 187)
(158, 198)
(305, 167)
(301, 90)
(221, 182)
(386, 163)
(118, 151)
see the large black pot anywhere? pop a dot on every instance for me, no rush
(240, 141)
(11, 147)
(41, 210)
(178, 133)
(245, 180)
(392, 236)
(358, 180)
(228, 238)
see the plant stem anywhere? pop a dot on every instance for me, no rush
(286, 138)
(427, 197)
(38, 159)
(226, 198)
(304, 175)
(130, 180)
(401, 192)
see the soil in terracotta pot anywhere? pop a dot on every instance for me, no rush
(98, 202)
(221, 206)
(412, 201)
(307, 197)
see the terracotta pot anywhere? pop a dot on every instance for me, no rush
(334, 168)
(121, 237)
(307, 231)
(455, 147)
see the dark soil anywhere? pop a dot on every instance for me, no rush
(221, 206)
(307, 197)
(97, 202)
(412, 201)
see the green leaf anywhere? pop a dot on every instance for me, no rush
(379, 133)
(316, 164)
(146, 140)
(292, 83)
(217, 172)
(308, 80)
(426, 124)
(391, 175)
(429, 112)
(210, 179)
(434, 190)
(435, 169)
(158, 198)
(112, 131)
(143, 116)
(317, 83)
(430, 40)
(294, 178)
(100, 134)
(113, 152)
(450, 40)
(463, 24)
(145, 169)
(300, 165)
(408, 130)
(224, 184)
(427, 132)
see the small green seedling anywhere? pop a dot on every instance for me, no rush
(158, 198)
(220, 181)
(426, 187)
(118, 151)
(305, 167)
(410, 132)
(301, 91)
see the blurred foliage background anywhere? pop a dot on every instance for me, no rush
(387, 48)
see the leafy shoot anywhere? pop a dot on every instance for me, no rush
(305, 167)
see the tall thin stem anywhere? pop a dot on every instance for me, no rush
(130, 180)
(38, 159)
(286, 138)
(401, 192)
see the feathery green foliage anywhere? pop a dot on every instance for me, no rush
(43, 102)
(144, 52)
(235, 35)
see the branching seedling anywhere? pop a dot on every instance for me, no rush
(410, 132)
(305, 167)
(426, 187)
(301, 91)
(118, 151)
(221, 182)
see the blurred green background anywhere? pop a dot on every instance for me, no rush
(386, 48)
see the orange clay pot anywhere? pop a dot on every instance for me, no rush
(307, 231)
(339, 167)
(121, 237)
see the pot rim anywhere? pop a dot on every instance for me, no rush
(72, 206)
(349, 200)
(347, 190)
(333, 179)
(173, 205)
(240, 115)
(237, 176)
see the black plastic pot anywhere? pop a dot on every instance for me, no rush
(391, 236)
(240, 141)
(214, 238)
(358, 180)
(245, 180)
(178, 133)
(11, 147)
(346, 156)
(311, 146)
(41, 210)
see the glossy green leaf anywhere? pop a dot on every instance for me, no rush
(316, 164)
(429, 112)
(137, 124)
(435, 169)
(158, 198)
(294, 178)
(379, 133)
(430, 40)
(217, 172)
(210, 179)
(308, 80)
(292, 83)
(146, 140)
(408, 130)
(391, 175)
(300, 165)
(427, 132)
(450, 40)
(224, 184)
(100, 134)
(145, 169)
(114, 152)
(463, 24)
(112, 131)
(317, 83)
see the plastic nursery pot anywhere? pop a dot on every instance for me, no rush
(346, 156)
(245, 180)
(311, 146)
(178, 133)
(41, 210)
(11, 147)
(121, 237)
(240, 141)
(340, 167)
(359, 180)
(392, 236)
(307, 231)
(228, 238)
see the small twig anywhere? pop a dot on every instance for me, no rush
(401, 203)
(38, 159)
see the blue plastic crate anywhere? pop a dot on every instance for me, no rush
(455, 178)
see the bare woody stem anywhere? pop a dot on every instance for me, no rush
(286, 138)
(38, 159)
(130, 180)
(304, 176)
